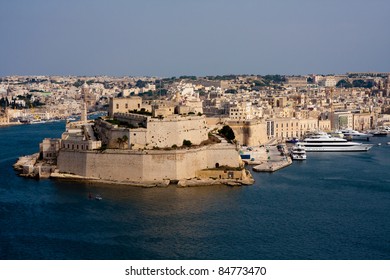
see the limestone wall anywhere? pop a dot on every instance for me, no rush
(249, 133)
(123, 105)
(173, 130)
(148, 165)
(110, 133)
(72, 161)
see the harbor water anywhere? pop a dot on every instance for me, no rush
(331, 206)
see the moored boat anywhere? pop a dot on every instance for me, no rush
(350, 134)
(322, 142)
(298, 152)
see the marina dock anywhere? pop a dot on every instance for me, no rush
(277, 159)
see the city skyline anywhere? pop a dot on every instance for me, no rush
(173, 38)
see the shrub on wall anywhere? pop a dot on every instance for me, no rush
(187, 143)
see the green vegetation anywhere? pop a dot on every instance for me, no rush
(274, 78)
(142, 111)
(36, 90)
(78, 83)
(344, 84)
(162, 91)
(222, 78)
(140, 84)
(122, 141)
(226, 168)
(102, 148)
(362, 84)
(121, 123)
(227, 132)
(188, 77)
(231, 91)
(261, 83)
(187, 143)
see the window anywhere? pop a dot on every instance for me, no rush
(126, 106)
(117, 106)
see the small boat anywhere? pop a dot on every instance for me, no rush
(298, 152)
(350, 134)
(388, 143)
(380, 133)
(98, 197)
(292, 140)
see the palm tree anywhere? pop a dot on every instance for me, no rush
(122, 140)
(119, 141)
(125, 139)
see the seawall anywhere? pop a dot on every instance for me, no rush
(146, 165)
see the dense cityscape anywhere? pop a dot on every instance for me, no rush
(268, 104)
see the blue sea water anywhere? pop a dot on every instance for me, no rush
(332, 206)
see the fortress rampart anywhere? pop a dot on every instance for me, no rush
(147, 165)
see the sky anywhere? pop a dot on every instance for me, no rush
(168, 38)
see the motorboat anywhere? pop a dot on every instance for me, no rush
(298, 152)
(322, 142)
(337, 133)
(380, 133)
(350, 134)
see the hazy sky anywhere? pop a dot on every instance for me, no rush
(197, 37)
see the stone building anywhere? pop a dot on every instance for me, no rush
(284, 128)
(164, 132)
(124, 105)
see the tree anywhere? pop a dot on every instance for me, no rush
(343, 84)
(187, 143)
(227, 132)
(230, 91)
(358, 83)
(122, 140)
(78, 83)
(140, 84)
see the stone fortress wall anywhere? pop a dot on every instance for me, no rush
(147, 165)
(164, 132)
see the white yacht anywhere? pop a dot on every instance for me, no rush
(298, 152)
(350, 134)
(322, 142)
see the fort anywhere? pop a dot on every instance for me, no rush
(140, 148)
